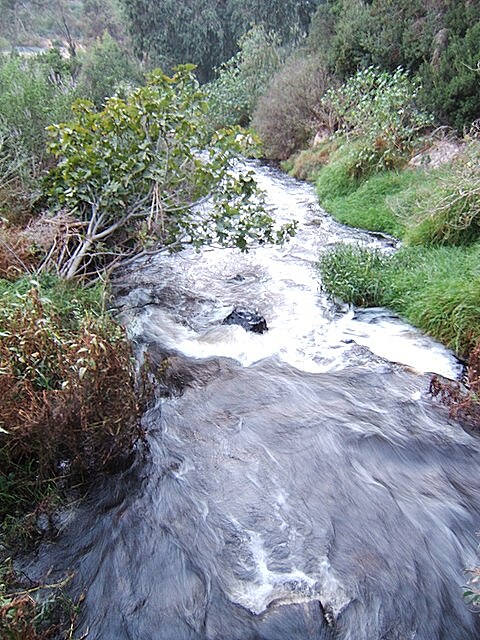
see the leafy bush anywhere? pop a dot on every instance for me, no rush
(105, 68)
(435, 39)
(290, 112)
(385, 33)
(67, 393)
(379, 109)
(452, 81)
(30, 100)
(241, 80)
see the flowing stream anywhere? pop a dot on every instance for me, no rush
(298, 484)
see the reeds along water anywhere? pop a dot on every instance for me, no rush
(295, 486)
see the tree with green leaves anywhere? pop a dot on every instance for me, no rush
(207, 32)
(240, 81)
(140, 175)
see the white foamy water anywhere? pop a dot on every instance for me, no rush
(306, 330)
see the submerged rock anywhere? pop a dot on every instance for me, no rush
(249, 320)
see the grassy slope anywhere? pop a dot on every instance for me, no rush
(435, 287)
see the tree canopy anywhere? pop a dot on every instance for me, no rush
(206, 32)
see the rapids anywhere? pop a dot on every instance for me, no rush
(298, 484)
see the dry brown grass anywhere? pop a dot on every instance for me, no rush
(26, 616)
(307, 163)
(464, 404)
(67, 398)
(17, 254)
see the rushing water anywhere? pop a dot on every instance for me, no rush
(299, 483)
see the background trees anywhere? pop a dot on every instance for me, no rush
(206, 32)
(437, 39)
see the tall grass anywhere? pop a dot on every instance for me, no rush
(435, 288)
(445, 208)
(68, 403)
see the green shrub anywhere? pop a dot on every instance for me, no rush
(452, 81)
(232, 95)
(66, 385)
(290, 112)
(131, 174)
(29, 102)
(379, 110)
(106, 68)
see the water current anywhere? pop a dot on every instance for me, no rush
(297, 484)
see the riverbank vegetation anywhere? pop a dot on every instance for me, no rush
(385, 125)
(99, 162)
(372, 104)
(379, 109)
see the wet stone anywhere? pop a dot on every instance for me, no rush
(249, 320)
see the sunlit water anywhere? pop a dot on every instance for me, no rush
(298, 484)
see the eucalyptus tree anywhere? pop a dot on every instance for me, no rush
(206, 32)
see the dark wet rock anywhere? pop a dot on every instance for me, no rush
(249, 320)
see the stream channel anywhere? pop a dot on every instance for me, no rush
(298, 484)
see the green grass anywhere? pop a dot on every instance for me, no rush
(64, 299)
(434, 288)
(365, 204)
(434, 281)
(336, 179)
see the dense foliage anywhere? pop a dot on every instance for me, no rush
(33, 94)
(379, 109)
(132, 177)
(105, 69)
(61, 22)
(240, 81)
(66, 388)
(290, 111)
(438, 39)
(168, 32)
